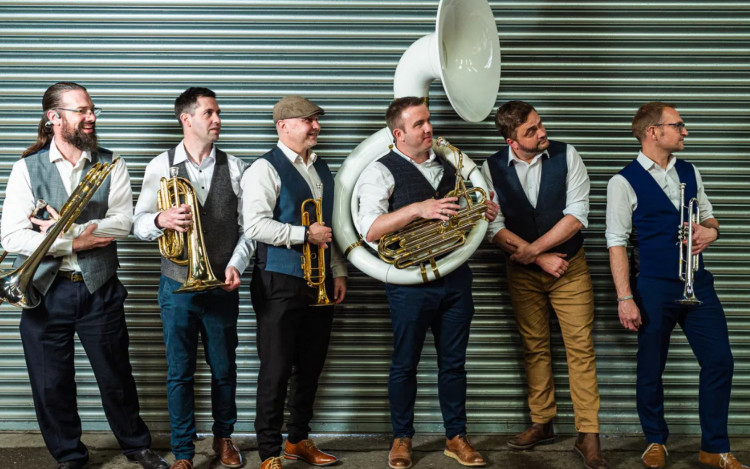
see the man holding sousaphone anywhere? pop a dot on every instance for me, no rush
(190, 202)
(74, 275)
(292, 310)
(542, 187)
(667, 284)
(410, 183)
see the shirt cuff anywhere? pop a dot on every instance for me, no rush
(62, 247)
(297, 234)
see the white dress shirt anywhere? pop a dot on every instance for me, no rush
(530, 175)
(262, 186)
(144, 225)
(17, 231)
(375, 186)
(622, 200)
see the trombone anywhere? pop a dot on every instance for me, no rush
(16, 286)
(689, 263)
(315, 276)
(173, 244)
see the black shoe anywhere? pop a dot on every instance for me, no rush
(148, 459)
(71, 465)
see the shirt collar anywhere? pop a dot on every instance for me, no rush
(55, 155)
(648, 163)
(180, 155)
(293, 155)
(430, 158)
(513, 158)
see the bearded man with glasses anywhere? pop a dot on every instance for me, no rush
(644, 207)
(81, 293)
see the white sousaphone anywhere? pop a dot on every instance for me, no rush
(464, 53)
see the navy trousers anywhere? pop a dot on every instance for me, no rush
(212, 314)
(47, 332)
(292, 346)
(706, 330)
(444, 306)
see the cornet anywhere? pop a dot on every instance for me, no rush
(315, 276)
(689, 263)
(173, 244)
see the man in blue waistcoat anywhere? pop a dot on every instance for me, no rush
(215, 179)
(77, 279)
(643, 208)
(543, 190)
(293, 335)
(411, 183)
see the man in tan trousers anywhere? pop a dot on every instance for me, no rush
(542, 187)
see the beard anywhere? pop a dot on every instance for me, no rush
(80, 139)
(536, 149)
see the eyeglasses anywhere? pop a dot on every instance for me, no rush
(85, 111)
(677, 125)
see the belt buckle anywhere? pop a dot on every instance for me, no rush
(75, 277)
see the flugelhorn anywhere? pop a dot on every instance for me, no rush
(16, 287)
(186, 248)
(689, 263)
(315, 275)
(422, 241)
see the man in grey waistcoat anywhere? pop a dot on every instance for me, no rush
(215, 178)
(77, 279)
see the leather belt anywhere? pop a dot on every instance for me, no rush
(70, 275)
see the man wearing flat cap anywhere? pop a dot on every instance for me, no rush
(292, 337)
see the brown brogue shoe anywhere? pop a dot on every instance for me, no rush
(460, 449)
(308, 452)
(722, 460)
(655, 456)
(400, 455)
(182, 464)
(537, 434)
(271, 463)
(228, 453)
(588, 447)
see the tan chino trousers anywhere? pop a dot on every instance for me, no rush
(534, 293)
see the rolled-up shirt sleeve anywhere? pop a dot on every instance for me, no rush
(373, 189)
(499, 223)
(578, 187)
(620, 207)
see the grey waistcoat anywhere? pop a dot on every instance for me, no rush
(218, 220)
(97, 265)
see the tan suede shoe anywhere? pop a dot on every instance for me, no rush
(722, 460)
(271, 463)
(655, 456)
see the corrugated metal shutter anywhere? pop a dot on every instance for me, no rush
(586, 65)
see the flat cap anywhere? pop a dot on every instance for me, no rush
(292, 106)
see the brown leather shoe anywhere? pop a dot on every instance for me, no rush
(308, 452)
(588, 447)
(537, 434)
(723, 460)
(228, 453)
(182, 464)
(271, 463)
(400, 455)
(461, 450)
(655, 456)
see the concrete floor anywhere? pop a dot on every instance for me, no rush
(26, 450)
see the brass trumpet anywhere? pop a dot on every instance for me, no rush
(16, 287)
(422, 241)
(689, 263)
(315, 276)
(174, 245)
